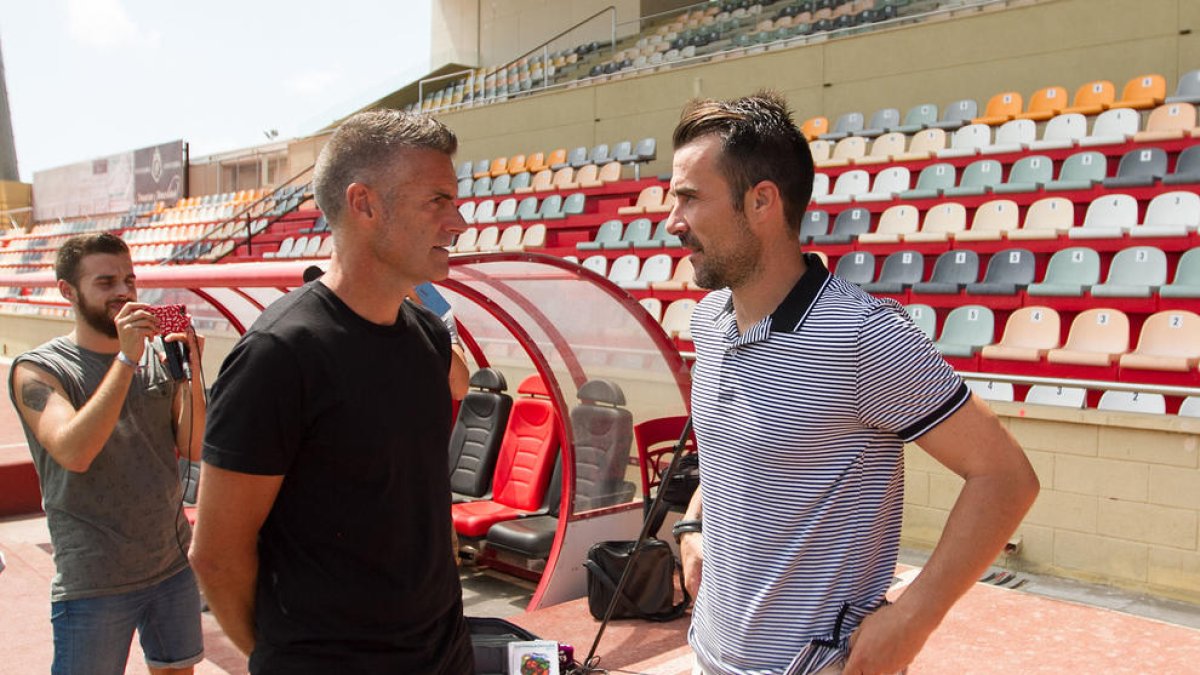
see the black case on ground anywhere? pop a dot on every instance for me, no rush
(489, 639)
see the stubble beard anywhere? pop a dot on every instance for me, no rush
(732, 268)
(96, 317)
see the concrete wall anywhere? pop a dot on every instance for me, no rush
(977, 54)
(1120, 499)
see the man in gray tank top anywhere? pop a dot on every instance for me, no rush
(103, 419)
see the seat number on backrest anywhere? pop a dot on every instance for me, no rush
(960, 257)
(858, 258)
(1142, 255)
(1052, 93)
(972, 314)
(1077, 256)
(1007, 98)
(1097, 88)
(1173, 111)
(1102, 319)
(940, 170)
(1145, 156)
(1036, 316)
(1086, 160)
(1035, 162)
(1175, 321)
(906, 258)
(1014, 257)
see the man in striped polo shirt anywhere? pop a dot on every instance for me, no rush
(805, 391)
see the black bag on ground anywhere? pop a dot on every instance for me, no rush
(489, 640)
(649, 592)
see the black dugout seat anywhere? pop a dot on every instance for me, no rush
(478, 431)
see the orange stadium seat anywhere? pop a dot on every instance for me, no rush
(499, 166)
(1045, 103)
(1093, 98)
(814, 127)
(516, 164)
(1001, 108)
(536, 162)
(1142, 92)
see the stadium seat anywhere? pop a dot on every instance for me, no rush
(677, 319)
(951, 272)
(624, 270)
(517, 164)
(882, 121)
(896, 222)
(527, 455)
(650, 197)
(1045, 104)
(821, 151)
(1047, 219)
(527, 208)
(661, 238)
(284, 250)
(638, 231)
(992, 221)
(1098, 337)
(653, 307)
(1170, 214)
(1070, 273)
(1029, 333)
(578, 157)
(1093, 98)
(485, 212)
(847, 151)
(1065, 397)
(585, 177)
(978, 178)
(657, 268)
(900, 271)
(557, 159)
(482, 168)
(1001, 108)
(534, 237)
(888, 184)
(923, 317)
(820, 186)
(814, 127)
(845, 125)
(941, 222)
(1028, 174)
(1142, 92)
(918, 117)
(1135, 272)
(510, 239)
(1108, 217)
(1187, 167)
(884, 149)
(1168, 122)
(599, 155)
(489, 239)
(543, 181)
(846, 227)
(1190, 407)
(1139, 168)
(1187, 277)
(1132, 401)
(1170, 340)
(498, 167)
(532, 536)
(465, 171)
(957, 114)
(967, 330)
(574, 204)
(506, 210)
(536, 162)
(502, 185)
(1063, 131)
(521, 182)
(857, 267)
(967, 141)
(464, 188)
(1008, 271)
(596, 263)
(551, 208)
(1012, 136)
(924, 144)
(849, 185)
(1112, 127)
(681, 279)
(465, 242)
(1080, 171)
(991, 391)
(1187, 89)
(563, 179)
(477, 434)
(932, 180)
(816, 223)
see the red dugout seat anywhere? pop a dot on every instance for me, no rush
(523, 466)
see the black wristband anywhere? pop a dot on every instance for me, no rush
(683, 527)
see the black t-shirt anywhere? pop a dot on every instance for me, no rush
(355, 564)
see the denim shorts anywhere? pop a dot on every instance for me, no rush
(92, 635)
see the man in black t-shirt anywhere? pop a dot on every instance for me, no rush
(323, 535)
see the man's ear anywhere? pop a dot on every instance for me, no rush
(763, 201)
(66, 290)
(360, 201)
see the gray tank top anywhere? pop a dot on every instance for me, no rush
(118, 526)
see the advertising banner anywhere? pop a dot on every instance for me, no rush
(110, 184)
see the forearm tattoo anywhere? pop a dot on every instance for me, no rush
(35, 394)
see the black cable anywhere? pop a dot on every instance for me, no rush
(187, 480)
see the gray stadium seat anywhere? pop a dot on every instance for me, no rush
(957, 114)
(1139, 168)
(816, 223)
(636, 232)
(924, 317)
(1187, 90)
(1187, 167)
(848, 225)
(660, 238)
(857, 267)
(918, 117)
(1135, 272)
(882, 121)
(1071, 272)
(951, 272)
(1187, 277)
(900, 270)
(502, 185)
(1008, 271)
(847, 124)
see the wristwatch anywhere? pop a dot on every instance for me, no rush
(683, 527)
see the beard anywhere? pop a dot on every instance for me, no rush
(97, 317)
(729, 268)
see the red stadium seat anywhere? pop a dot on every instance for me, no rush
(523, 466)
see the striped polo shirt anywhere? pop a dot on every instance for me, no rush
(801, 423)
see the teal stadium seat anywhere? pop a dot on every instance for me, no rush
(848, 225)
(1187, 277)
(637, 231)
(661, 238)
(1070, 273)
(918, 117)
(1080, 171)
(924, 317)
(882, 121)
(931, 182)
(967, 330)
(978, 178)
(1028, 174)
(1135, 272)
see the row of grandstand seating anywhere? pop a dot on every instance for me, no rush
(1144, 167)
(304, 246)
(1110, 216)
(553, 207)
(566, 178)
(1076, 397)
(1063, 132)
(1136, 272)
(625, 152)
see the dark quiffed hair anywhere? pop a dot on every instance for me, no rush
(760, 142)
(75, 249)
(363, 148)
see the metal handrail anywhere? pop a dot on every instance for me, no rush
(1106, 385)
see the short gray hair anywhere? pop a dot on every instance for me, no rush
(364, 146)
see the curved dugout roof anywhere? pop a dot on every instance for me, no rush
(521, 313)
